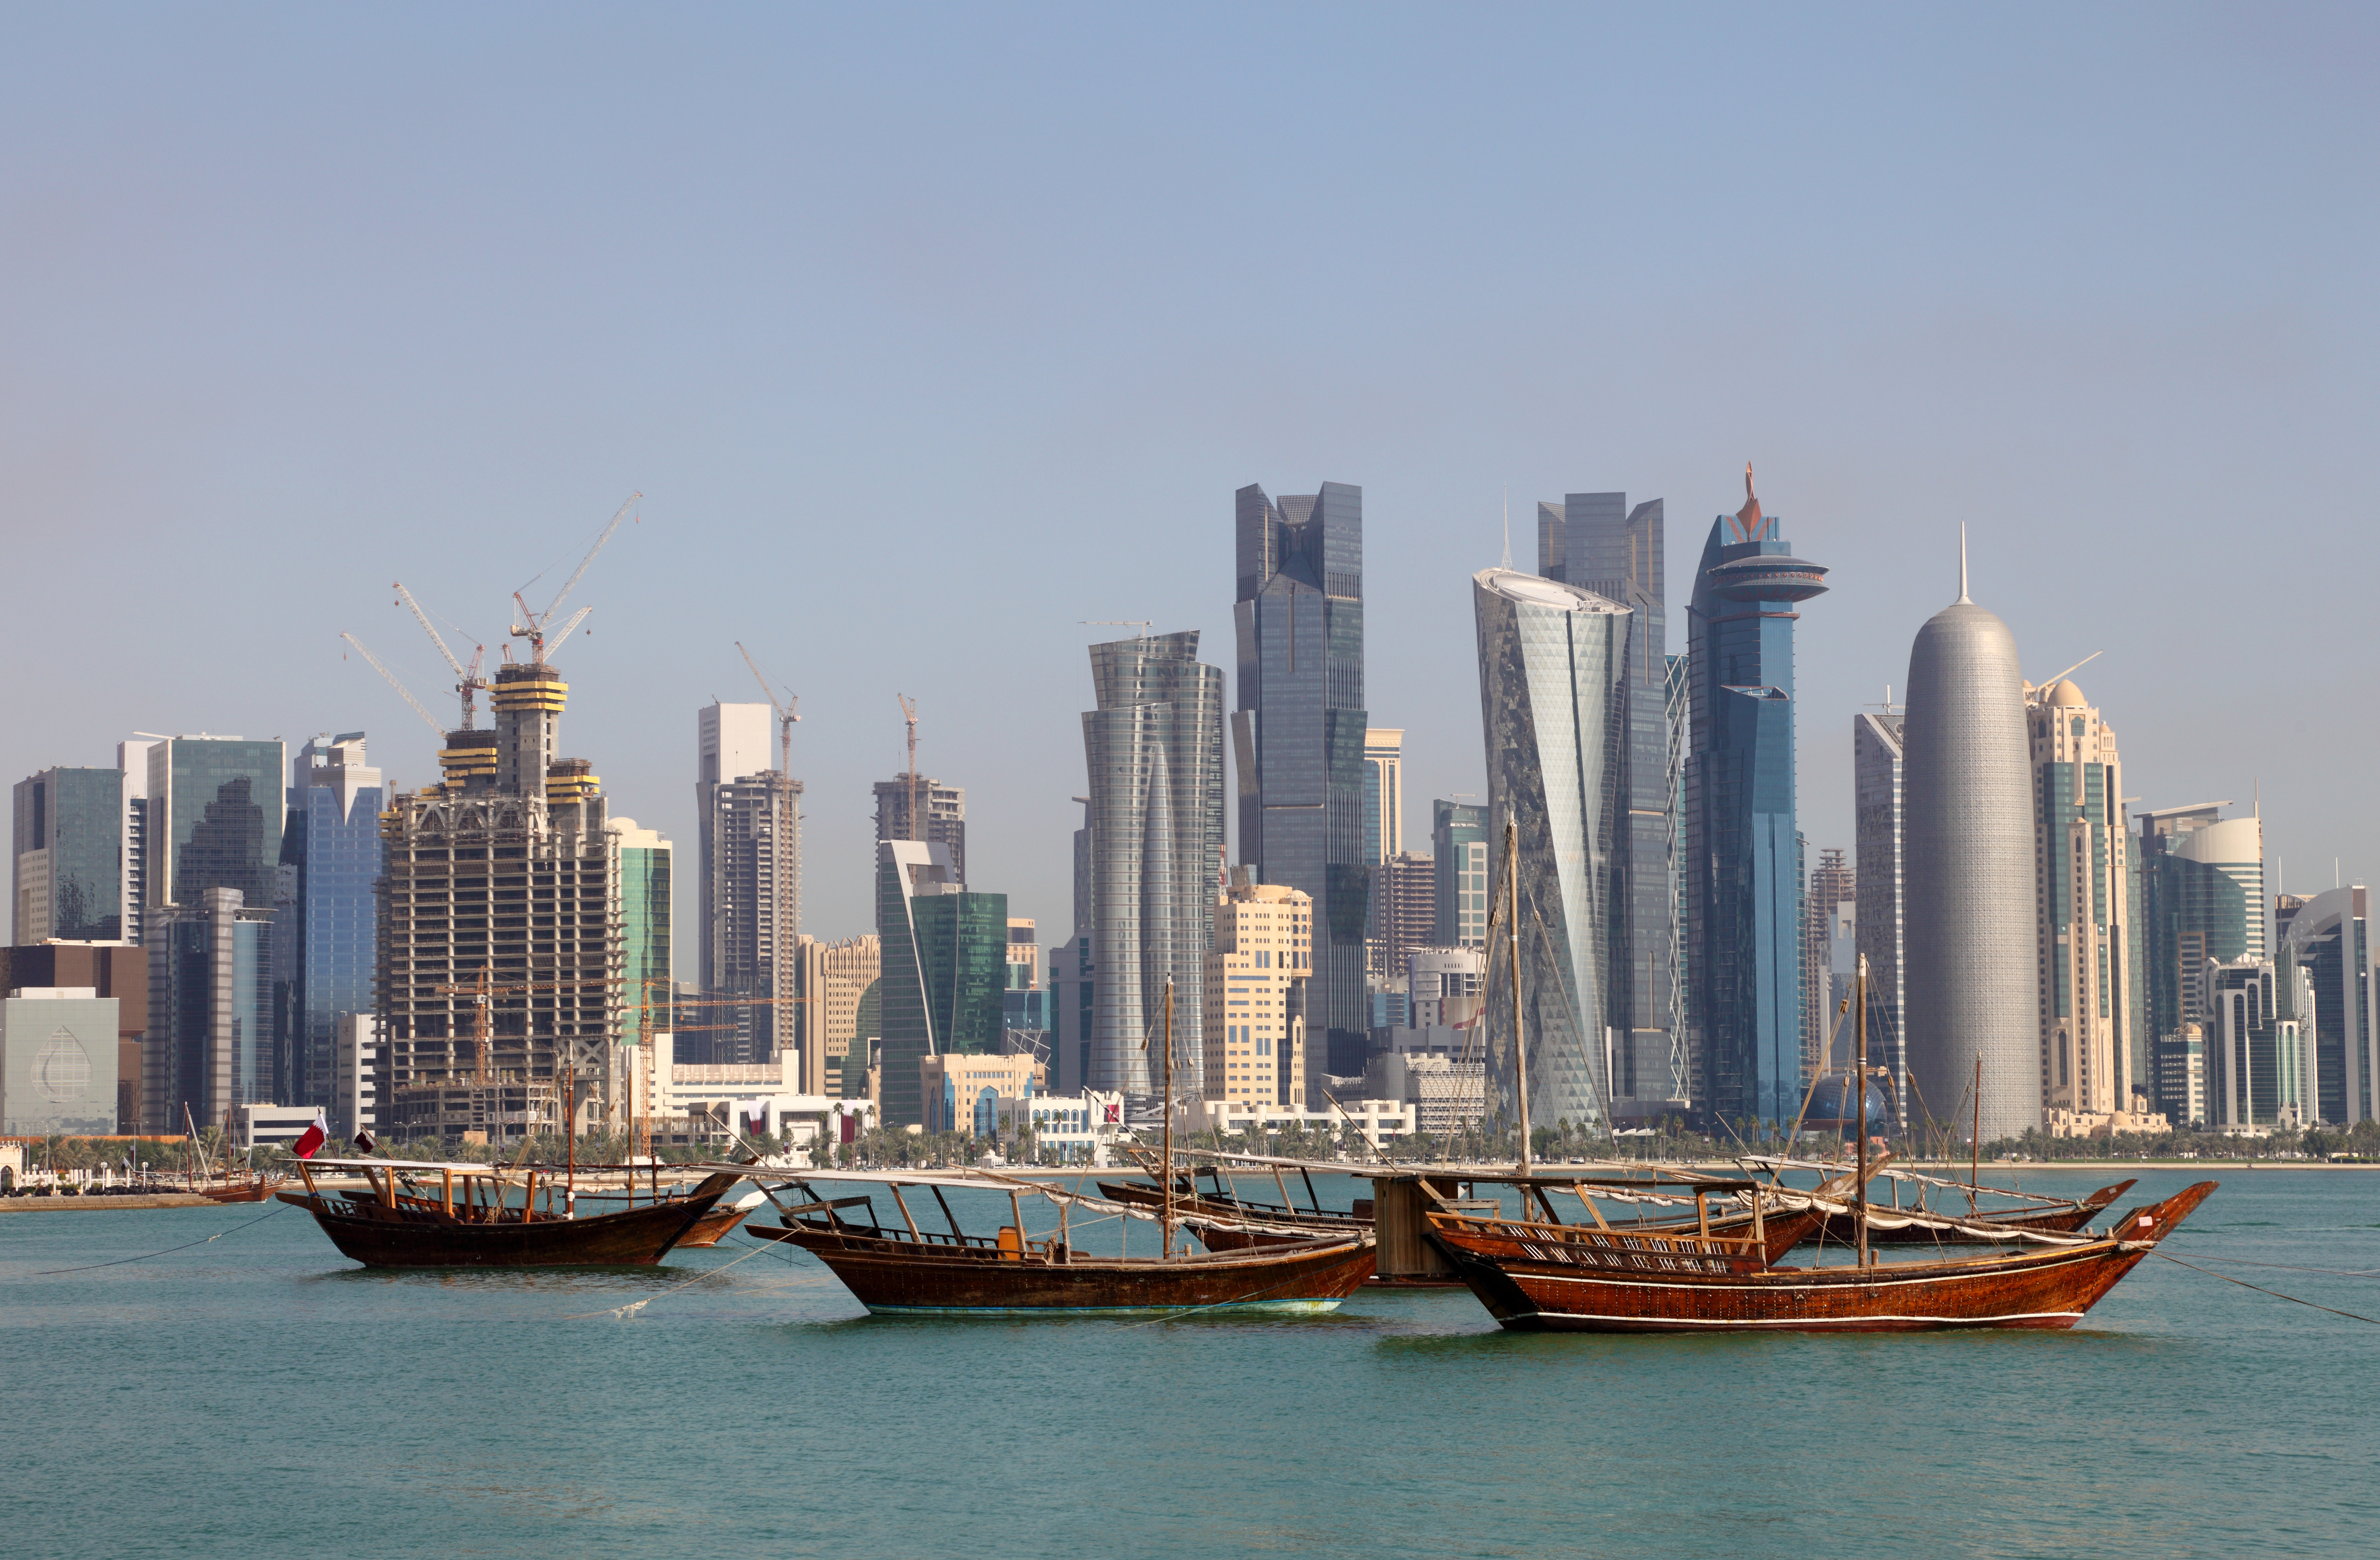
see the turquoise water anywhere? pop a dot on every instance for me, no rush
(260, 1394)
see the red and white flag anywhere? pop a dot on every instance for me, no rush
(313, 1138)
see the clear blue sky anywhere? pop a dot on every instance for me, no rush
(928, 333)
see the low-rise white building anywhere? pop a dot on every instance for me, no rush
(1377, 1120)
(58, 1061)
(683, 1102)
(1072, 1127)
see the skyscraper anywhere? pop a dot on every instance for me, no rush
(209, 1041)
(1255, 994)
(835, 975)
(944, 958)
(647, 877)
(324, 946)
(67, 878)
(214, 818)
(1552, 692)
(1598, 542)
(1741, 876)
(1384, 791)
(2329, 935)
(750, 906)
(1297, 738)
(1153, 749)
(2092, 1052)
(1458, 842)
(945, 810)
(1970, 987)
(1883, 916)
(1832, 887)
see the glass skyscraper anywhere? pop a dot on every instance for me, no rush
(1553, 663)
(1742, 873)
(2329, 936)
(214, 818)
(944, 953)
(647, 927)
(67, 878)
(324, 945)
(1458, 844)
(1297, 740)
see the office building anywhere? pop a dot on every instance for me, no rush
(645, 872)
(1297, 740)
(2202, 886)
(1254, 1027)
(209, 1045)
(943, 953)
(1971, 989)
(1882, 915)
(1553, 686)
(750, 891)
(1598, 542)
(943, 806)
(2329, 935)
(2093, 1057)
(834, 977)
(502, 875)
(2258, 1061)
(1154, 751)
(1404, 909)
(116, 970)
(355, 1076)
(213, 819)
(325, 942)
(1829, 906)
(1384, 793)
(1741, 869)
(1458, 841)
(1073, 1012)
(2178, 1085)
(68, 874)
(58, 1061)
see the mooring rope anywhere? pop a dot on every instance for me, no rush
(2262, 1291)
(2292, 1267)
(53, 1272)
(625, 1312)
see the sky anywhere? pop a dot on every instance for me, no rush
(928, 334)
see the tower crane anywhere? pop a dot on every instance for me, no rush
(909, 713)
(466, 682)
(532, 627)
(401, 692)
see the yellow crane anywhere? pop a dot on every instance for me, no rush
(468, 683)
(427, 718)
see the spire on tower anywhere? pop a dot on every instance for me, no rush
(1962, 600)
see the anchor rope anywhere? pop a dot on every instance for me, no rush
(2262, 1291)
(48, 1273)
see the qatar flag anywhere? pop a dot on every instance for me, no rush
(313, 1138)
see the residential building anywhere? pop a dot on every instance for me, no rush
(209, 1044)
(58, 1061)
(1297, 740)
(1074, 1012)
(945, 810)
(1384, 793)
(1553, 687)
(325, 942)
(836, 976)
(1458, 841)
(1970, 985)
(213, 819)
(1830, 903)
(1882, 915)
(2329, 935)
(2094, 1054)
(750, 844)
(644, 872)
(355, 1076)
(1404, 909)
(2201, 885)
(962, 1093)
(2259, 1062)
(1599, 543)
(1024, 956)
(2179, 1086)
(1741, 874)
(504, 875)
(943, 952)
(68, 874)
(1254, 1026)
(1154, 751)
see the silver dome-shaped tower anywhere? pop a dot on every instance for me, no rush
(1972, 990)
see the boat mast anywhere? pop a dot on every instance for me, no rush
(1859, 1192)
(1513, 928)
(1975, 1140)
(1165, 1217)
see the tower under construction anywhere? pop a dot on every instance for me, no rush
(500, 956)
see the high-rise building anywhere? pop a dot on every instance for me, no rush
(1552, 688)
(2201, 885)
(1740, 875)
(1598, 542)
(1458, 842)
(944, 957)
(834, 977)
(1971, 986)
(1384, 791)
(945, 810)
(1074, 1012)
(1833, 893)
(646, 876)
(2329, 935)
(503, 874)
(1154, 751)
(213, 816)
(1404, 909)
(1882, 917)
(324, 946)
(2258, 1060)
(751, 845)
(69, 866)
(210, 1041)
(2093, 1058)
(1254, 1027)
(1298, 739)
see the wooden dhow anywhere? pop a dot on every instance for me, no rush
(387, 1228)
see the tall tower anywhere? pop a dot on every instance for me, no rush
(2091, 1055)
(1883, 925)
(1298, 739)
(1741, 876)
(322, 944)
(1972, 991)
(1552, 664)
(749, 863)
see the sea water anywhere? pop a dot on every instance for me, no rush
(260, 1395)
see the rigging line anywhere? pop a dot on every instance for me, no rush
(2262, 1291)
(2290, 1267)
(49, 1272)
(625, 1312)
(1236, 1299)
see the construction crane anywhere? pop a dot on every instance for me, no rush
(788, 890)
(401, 692)
(483, 995)
(466, 682)
(532, 627)
(909, 713)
